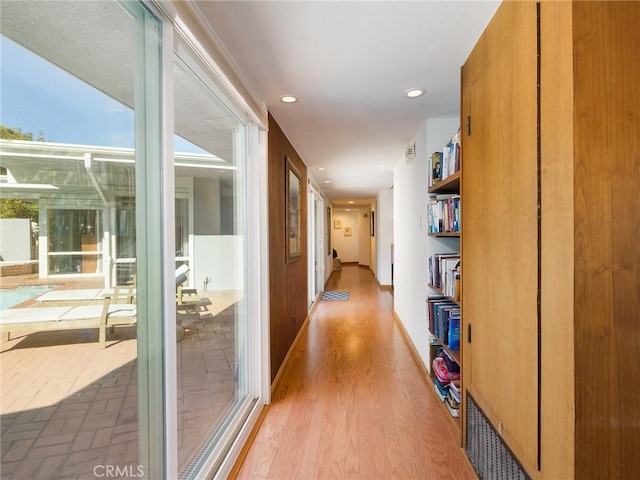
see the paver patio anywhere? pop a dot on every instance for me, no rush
(67, 406)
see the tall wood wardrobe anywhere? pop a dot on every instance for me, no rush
(551, 236)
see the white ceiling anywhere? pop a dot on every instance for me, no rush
(350, 63)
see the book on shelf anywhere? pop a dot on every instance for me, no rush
(442, 270)
(450, 363)
(453, 337)
(439, 393)
(431, 300)
(454, 390)
(434, 171)
(454, 412)
(434, 314)
(441, 373)
(442, 314)
(443, 213)
(450, 162)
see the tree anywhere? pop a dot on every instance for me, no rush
(15, 133)
(12, 207)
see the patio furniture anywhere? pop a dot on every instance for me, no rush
(103, 315)
(186, 298)
(60, 298)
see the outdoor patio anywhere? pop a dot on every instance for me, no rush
(68, 406)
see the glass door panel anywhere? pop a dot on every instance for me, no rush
(210, 155)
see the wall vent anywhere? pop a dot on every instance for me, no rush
(489, 455)
(410, 153)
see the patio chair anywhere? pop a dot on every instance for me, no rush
(103, 315)
(63, 298)
(186, 298)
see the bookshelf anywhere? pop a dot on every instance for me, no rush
(443, 301)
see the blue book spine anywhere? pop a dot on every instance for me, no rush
(454, 333)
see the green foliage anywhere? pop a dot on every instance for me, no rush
(14, 208)
(11, 133)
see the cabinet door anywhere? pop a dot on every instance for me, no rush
(500, 227)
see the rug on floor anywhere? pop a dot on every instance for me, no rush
(335, 295)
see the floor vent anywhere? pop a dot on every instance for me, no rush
(488, 454)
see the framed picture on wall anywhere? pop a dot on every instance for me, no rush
(293, 208)
(337, 224)
(347, 231)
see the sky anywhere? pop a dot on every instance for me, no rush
(36, 95)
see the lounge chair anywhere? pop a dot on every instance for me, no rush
(186, 298)
(63, 298)
(103, 315)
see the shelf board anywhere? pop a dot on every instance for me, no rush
(445, 234)
(451, 184)
(433, 287)
(455, 354)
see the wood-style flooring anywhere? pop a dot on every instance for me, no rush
(351, 402)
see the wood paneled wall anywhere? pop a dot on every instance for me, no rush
(287, 282)
(606, 115)
(589, 106)
(557, 289)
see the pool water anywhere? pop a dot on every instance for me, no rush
(13, 296)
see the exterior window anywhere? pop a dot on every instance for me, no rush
(75, 238)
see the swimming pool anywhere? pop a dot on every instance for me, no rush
(13, 296)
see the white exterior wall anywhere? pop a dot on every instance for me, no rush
(15, 239)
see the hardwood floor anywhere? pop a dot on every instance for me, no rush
(351, 402)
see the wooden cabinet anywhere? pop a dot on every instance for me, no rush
(551, 257)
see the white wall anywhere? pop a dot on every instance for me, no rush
(410, 232)
(348, 247)
(15, 239)
(384, 236)
(219, 258)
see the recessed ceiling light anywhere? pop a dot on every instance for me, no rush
(320, 169)
(414, 92)
(348, 209)
(351, 202)
(383, 166)
(288, 99)
(327, 181)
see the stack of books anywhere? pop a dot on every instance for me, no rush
(444, 320)
(452, 402)
(446, 373)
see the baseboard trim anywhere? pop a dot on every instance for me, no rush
(305, 325)
(414, 351)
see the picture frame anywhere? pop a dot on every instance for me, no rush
(347, 231)
(337, 224)
(293, 209)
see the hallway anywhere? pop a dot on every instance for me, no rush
(351, 402)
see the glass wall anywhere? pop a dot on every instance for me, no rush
(69, 149)
(83, 165)
(212, 367)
